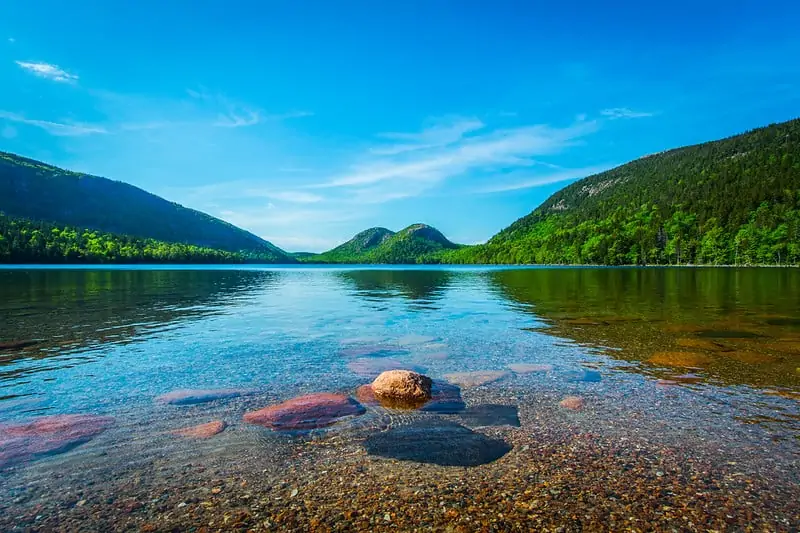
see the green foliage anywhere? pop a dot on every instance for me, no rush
(33, 190)
(418, 243)
(24, 241)
(734, 201)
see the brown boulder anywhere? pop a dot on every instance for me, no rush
(306, 412)
(402, 388)
(203, 431)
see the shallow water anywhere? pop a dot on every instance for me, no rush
(689, 381)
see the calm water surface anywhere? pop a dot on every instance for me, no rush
(689, 380)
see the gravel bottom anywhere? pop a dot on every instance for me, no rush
(559, 471)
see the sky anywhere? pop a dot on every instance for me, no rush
(306, 122)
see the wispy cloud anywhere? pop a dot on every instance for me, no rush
(441, 134)
(623, 112)
(507, 148)
(233, 114)
(65, 129)
(48, 71)
(547, 179)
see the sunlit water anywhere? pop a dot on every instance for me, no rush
(109, 341)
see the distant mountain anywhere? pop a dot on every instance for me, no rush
(37, 191)
(733, 201)
(417, 243)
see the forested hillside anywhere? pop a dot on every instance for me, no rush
(418, 243)
(24, 241)
(734, 201)
(37, 191)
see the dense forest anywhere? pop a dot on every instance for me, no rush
(734, 201)
(24, 241)
(418, 243)
(34, 190)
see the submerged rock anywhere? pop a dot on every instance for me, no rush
(491, 415)
(402, 388)
(446, 398)
(574, 403)
(703, 344)
(48, 435)
(436, 441)
(411, 340)
(527, 368)
(202, 431)
(587, 376)
(372, 350)
(306, 412)
(681, 359)
(193, 396)
(751, 357)
(476, 379)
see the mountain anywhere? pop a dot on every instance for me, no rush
(363, 243)
(418, 243)
(732, 201)
(36, 191)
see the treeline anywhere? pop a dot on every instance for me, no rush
(733, 201)
(642, 236)
(25, 241)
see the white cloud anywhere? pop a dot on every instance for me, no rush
(67, 129)
(538, 181)
(233, 114)
(47, 70)
(441, 134)
(498, 149)
(623, 112)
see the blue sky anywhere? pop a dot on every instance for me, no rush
(306, 122)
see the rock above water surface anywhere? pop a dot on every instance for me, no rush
(445, 398)
(476, 379)
(48, 435)
(193, 396)
(402, 387)
(202, 431)
(306, 412)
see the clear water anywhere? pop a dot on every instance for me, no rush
(108, 341)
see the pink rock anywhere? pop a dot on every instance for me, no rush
(47, 435)
(192, 396)
(306, 412)
(366, 395)
(203, 431)
(572, 402)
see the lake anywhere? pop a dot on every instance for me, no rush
(586, 399)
